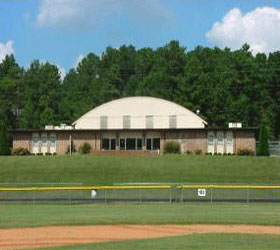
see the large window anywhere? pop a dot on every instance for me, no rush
(172, 121)
(152, 143)
(126, 121)
(149, 121)
(108, 143)
(131, 143)
(103, 122)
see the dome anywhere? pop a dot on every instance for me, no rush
(139, 113)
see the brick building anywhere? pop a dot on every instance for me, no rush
(137, 124)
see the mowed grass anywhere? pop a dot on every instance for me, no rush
(166, 168)
(194, 241)
(17, 216)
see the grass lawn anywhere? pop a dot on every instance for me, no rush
(166, 168)
(16, 216)
(194, 241)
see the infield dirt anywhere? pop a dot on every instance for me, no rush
(28, 238)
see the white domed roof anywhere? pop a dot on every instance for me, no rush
(136, 109)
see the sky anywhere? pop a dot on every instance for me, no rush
(64, 31)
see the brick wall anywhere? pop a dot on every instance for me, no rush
(244, 140)
(22, 140)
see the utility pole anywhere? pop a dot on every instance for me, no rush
(70, 145)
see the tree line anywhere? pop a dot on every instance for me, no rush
(224, 85)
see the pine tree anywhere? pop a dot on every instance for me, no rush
(3, 139)
(263, 148)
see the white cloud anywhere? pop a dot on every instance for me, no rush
(61, 71)
(78, 60)
(259, 28)
(79, 14)
(6, 49)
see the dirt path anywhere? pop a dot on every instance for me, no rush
(67, 235)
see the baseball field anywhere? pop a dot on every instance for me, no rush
(119, 225)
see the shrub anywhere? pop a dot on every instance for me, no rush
(215, 153)
(48, 153)
(245, 152)
(229, 154)
(85, 148)
(20, 151)
(263, 148)
(54, 154)
(171, 147)
(39, 154)
(198, 152)
(208, 153)
(189, 152)
(3, 140)
(219, 154)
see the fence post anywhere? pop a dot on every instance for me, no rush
(182, 194)
(170, 195)
(211, 196)
(247, 195)
(105, 196)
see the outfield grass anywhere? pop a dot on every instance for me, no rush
(194, 241)
(166, 168)
(17, 216)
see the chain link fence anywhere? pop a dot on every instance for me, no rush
(140, 193)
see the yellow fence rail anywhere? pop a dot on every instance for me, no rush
(82, 188)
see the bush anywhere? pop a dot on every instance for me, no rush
(39, 154)
(85, 148)
(189, 152)
(208, 153)
(171, 147)
(263, 148)
(219, 154)
(20, 151)
(198, 152)
(3, 140)
(48, 153)
(54, 154)
(245, 152)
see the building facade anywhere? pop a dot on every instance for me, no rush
(139, 125)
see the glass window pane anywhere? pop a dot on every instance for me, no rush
(156, 143)
(149, 121)
(105, 144)
(130, 143)
(172, 121)
(149, 144)
(122, 144)
(139, 143)
(126, 121)
(211, 140)
(229, 138)
(103, 122)
(113, 144)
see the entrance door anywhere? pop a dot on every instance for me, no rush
(211, 142)
(229, 147)
(35, 143)
(44, 144)
(220, 142)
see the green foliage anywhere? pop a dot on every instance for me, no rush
(20, 151)
(3, 139)
(263, 148)
(171, 147)
(85, 148)
(224, 85)
(198, 152)
(245, 152)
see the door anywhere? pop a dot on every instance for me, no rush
(35, 143)
(229, 147)
(44, 144)
(220, 142)
(52, 143)
(211, 142)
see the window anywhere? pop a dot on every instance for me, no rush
(126, 121)
(172, 121)
(149, 121)
(131, 144)
(220, 138)
(103, 122)
(122, 144)
(108, 143)
(153, 143)
(139, 144)
(210, 139)
(53, 140)
(229, 137)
